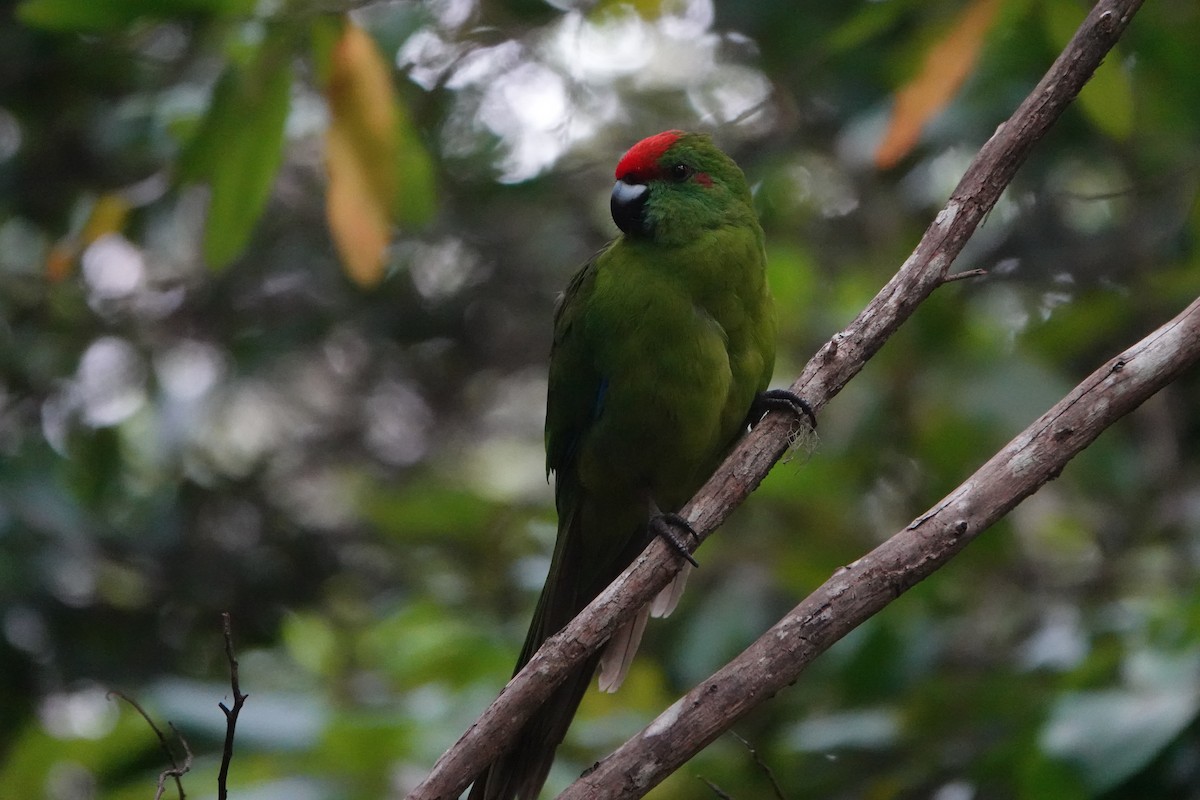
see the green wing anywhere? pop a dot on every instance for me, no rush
(576, 389)
(574, 399)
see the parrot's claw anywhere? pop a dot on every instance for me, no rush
(667, 526)
(779, 400)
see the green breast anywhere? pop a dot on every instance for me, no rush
(684, 341)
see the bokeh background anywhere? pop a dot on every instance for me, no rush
(219, 391)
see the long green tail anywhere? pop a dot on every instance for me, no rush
(576, 577)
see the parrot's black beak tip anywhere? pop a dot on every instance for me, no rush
(628, 207)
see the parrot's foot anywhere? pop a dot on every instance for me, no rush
(668, 526)
(779, 400)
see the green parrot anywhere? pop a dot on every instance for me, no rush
(663, 347)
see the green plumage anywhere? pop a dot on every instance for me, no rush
(661, 344)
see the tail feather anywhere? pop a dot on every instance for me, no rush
(520, 772)
(619, 652)
(623, 646)
(666, 600)
(584, 562)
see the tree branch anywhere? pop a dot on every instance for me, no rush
(861, 589)
(231, 714)
(830, 369)
(176, 770)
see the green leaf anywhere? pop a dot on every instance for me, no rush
(324, 33)
(311, 640)
(1107, 99)
(90, 15)
(1111, 734)
(239, 146)
(416, 197)
(423, 642)
(426, 510)
(868, 23)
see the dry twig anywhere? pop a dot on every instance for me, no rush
(176, 769)
(231, 714)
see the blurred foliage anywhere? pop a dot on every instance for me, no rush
(348, 458)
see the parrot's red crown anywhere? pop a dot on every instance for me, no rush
(642, 158)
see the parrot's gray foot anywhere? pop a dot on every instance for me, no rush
(779, 400)
(668, 527)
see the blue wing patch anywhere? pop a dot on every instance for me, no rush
(598, 405)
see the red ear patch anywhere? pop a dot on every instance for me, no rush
(642, 158)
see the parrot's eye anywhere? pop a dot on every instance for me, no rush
(681, 172)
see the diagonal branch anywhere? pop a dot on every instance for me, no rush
(833, 366)
(857, 591)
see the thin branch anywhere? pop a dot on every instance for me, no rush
(964, 275)
(762, 765)
(857, 591)
(717, 790)
(231, 715)
(177, 770)
(833, 366)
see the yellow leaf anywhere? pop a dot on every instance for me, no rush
(360, 154)
(946, 66)
(646, 9)
(358, 221)
(107, 215)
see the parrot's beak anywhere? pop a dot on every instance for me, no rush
(628, 207)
